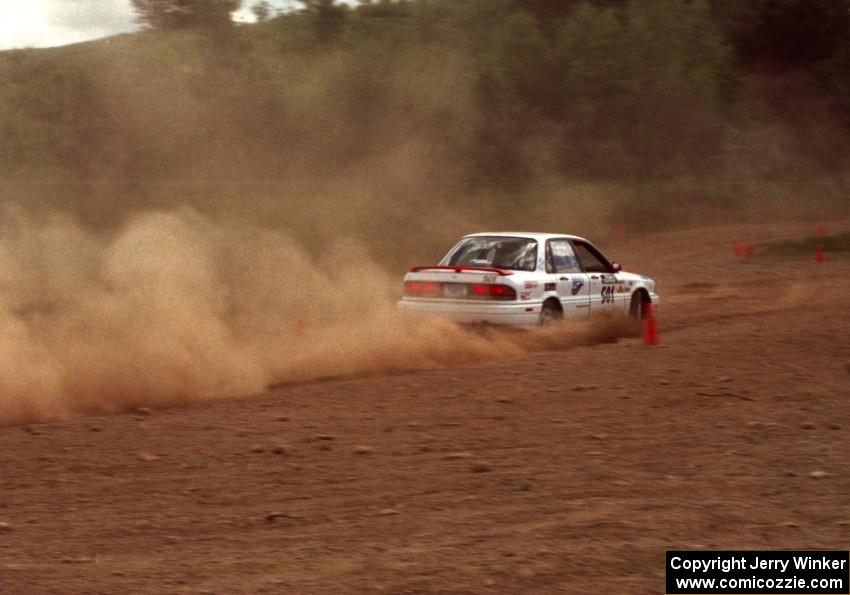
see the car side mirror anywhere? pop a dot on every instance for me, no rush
(616, 266)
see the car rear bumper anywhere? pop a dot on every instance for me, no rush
(515, 314)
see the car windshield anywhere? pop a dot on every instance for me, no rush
(518, 254)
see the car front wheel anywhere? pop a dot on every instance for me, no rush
(636, 308)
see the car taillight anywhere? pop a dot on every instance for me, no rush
(486, 291)
(421, 288)
(502, 292)
(494, 292)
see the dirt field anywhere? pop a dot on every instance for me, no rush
(567, 471)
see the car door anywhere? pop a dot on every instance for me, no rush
(605, 286)
(571, 282)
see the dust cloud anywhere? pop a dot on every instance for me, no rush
(394, 343)
(314, 174)
(174, 306)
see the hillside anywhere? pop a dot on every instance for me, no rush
(644, 113)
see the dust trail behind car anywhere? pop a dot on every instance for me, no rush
(176, 307)
(392, 343)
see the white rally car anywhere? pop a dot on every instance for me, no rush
(524, 279)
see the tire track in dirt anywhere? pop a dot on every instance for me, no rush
(735, 300)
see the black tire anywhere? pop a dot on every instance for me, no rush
(549, 313)
(636, 309)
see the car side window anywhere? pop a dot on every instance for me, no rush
(560, 257)
(590, 258)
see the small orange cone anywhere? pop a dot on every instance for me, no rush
(650, 332)
(739, 250)
(744, 250)
(618, 232)
(820, 254)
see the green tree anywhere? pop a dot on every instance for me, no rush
(517, 60)
(512, 81)
(784, 32)
(185, 14)
(644, 83)
(328, 17)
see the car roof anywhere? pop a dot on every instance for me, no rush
(540, 237)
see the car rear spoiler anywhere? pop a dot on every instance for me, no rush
(460, 269)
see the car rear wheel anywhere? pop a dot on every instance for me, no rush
(549, 314)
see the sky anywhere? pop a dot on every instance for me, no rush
(48, 23)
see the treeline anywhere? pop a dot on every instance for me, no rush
(424, 100)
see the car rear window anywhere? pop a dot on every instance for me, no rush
(499, 252)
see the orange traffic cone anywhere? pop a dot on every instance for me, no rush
(820, 254)
(650, 332)
(618, 232)
(739, 250)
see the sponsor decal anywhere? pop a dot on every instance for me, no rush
(608, 294)
(530, 284)
(577, 285)
(525, 295)
(609, 279)
(549, 287)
